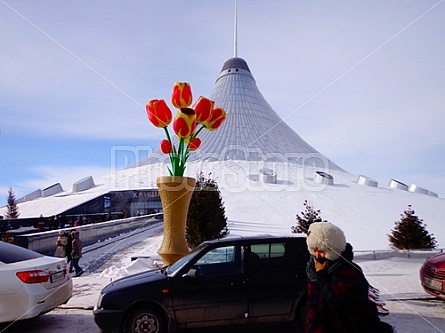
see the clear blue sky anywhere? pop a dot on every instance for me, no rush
(361, 81)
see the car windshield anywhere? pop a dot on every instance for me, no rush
(12, 253)
(175, 267)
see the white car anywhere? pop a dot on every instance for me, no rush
(31, 283)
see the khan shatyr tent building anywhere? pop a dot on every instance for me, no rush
(264, 170)
(252, 130)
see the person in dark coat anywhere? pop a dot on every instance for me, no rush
(338, 300)
(69, 248)
(3, 230)
(76, 253)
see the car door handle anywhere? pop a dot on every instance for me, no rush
(237, 283)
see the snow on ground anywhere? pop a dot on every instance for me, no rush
(411, 309)
(365, 213)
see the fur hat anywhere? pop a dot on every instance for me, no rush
(326, 237)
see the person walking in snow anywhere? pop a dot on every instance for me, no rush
(61, 243)
(338, 299)
(69, 249)
(76, 252)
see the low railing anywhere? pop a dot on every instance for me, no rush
(385, 254)
(45, 242)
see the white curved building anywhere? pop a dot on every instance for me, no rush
(265, 172)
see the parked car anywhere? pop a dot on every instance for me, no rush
(432, 275)
(30, 283)
(235, 280)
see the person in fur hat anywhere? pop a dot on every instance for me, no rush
(338, 299)
(60, 245)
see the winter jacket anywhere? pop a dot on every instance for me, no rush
(77, 245)
(338, 299)
(60, 247)
(69, 246)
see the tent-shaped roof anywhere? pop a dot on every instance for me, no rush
(253, 131)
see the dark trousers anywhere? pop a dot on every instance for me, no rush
(75, 262)
(69, 260)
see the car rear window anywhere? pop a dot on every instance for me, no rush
(10, 253)
(270, 257)
(268, 250)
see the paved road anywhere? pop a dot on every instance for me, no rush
(56, 321)
(411, 310)
(77, 317)
(96, 258)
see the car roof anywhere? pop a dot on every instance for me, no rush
(253, 238)
(10, 253)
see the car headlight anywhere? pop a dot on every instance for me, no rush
(99, 301)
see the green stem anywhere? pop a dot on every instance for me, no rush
(167, 134)
(194, 135)
(180, 162)
(172, 155)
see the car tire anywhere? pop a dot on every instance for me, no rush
(145, 320)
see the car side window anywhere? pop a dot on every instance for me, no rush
(220, 261)
(267, 256)
(268, 250)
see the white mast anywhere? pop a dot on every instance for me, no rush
(235, 33)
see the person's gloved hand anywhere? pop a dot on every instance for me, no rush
(321, 270)
(320, 264)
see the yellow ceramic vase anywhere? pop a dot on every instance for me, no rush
(175, 193)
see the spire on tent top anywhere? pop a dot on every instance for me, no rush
(235, 32)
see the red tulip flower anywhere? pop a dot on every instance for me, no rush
(182, 95)
(216, 120)
(184, 125)
(158, 113)
(166, 146)
(194, 144)
(203, 109)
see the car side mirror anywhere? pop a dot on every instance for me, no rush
(192, 273)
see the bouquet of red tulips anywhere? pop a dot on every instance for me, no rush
(185, 123)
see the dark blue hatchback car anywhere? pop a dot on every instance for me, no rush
(230, 281)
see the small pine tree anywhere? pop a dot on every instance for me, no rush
(411, 233)
(206, 218)
(309, 216)
(13, 210)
